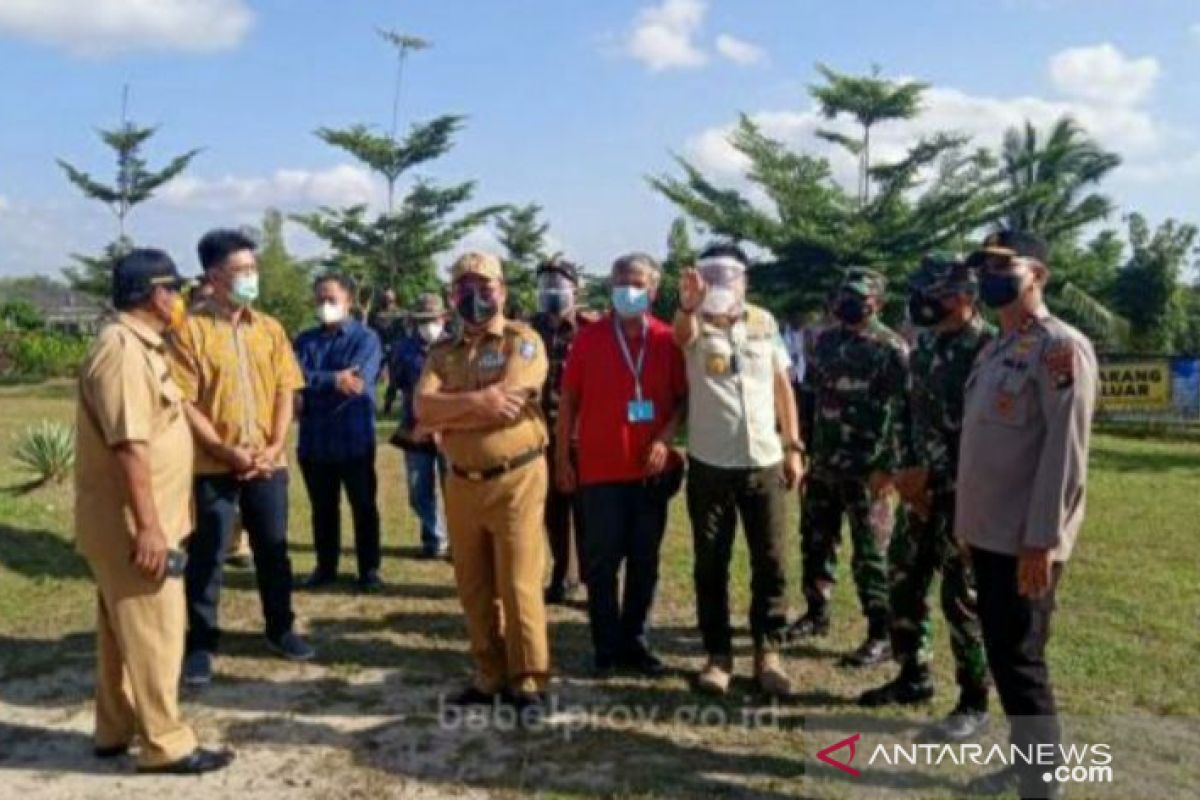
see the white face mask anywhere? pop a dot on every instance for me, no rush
(331, 313)
(430, 331)
(720, 300)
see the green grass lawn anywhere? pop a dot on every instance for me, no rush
(1125, 642)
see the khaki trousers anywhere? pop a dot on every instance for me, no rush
(140, 630)
(499, 548)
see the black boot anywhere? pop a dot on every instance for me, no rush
(913, 685)
(814, 623)
(875, 649)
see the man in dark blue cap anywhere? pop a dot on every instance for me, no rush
(133, 481)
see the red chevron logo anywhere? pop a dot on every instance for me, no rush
(844, 766)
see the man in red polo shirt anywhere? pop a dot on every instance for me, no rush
(623, 393)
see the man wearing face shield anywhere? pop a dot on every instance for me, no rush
(341, 360)
(424, 466)
(481, 391)
(1022, 475)
(133, 480)
(745, 455)
(558, 321)
(859, 377)
(941, 303)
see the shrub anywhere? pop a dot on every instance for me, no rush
(47, 450)
(37, 354)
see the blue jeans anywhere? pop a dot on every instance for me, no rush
(426, 470)
(263, 503)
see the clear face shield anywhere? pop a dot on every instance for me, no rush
(726, 281)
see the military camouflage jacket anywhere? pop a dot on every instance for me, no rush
(859, 381)
(928, 434)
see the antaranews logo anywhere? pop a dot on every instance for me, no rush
(850, 742)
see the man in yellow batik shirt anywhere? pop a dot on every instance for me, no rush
(238, 374)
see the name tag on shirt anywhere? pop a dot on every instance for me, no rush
(641, 411)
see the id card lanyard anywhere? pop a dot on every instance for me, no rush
(637, 408)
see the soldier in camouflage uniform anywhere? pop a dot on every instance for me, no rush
(859, 379)
(942, 302)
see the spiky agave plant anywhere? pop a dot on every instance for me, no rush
(47, 450)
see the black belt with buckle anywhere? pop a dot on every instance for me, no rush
(491, 473)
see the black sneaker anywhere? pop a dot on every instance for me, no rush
(961, 724)
(197, 668)
(644, 661)
(901, 691)
(603, 667)
(292, 647)
(370, 583)
(871, 652)
(810, 626)
(109, 753)
(318, 579)
(530, 707)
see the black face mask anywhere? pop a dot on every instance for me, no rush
(998, 290)
(475, 309)
(926, 311)
(851, 310)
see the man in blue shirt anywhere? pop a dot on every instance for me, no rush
(421, 459)
(341, 359)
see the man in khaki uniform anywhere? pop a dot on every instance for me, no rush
(480, 390)
(133, 479)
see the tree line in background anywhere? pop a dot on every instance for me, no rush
(1128, 288)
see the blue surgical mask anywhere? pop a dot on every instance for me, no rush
(630, 301)
(245, 288)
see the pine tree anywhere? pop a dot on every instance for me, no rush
(286, 282)
(680, 256)
(522, 236)
(397, 248)
(135, 183)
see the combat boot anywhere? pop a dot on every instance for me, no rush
(913, 685)
(814, 623)
(875, 649)
(968, 719)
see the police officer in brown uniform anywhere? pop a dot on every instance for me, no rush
(133, 483)
(480, 390)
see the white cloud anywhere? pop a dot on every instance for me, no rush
(342, 185)
(664, 36)
(740, 51)
(5, 205)
(104, 27)
(1128, 131)
(1104, 75)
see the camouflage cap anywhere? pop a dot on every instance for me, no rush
(864, 281)
(943, 273)
(476, 262)
(428, 306)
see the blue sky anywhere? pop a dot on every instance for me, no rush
(571, 103)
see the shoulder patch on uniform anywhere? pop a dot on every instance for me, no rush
(528, 350)
(1059, 359)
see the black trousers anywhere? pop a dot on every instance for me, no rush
(263, 504)
(715, 498)
(1015, 632)
(564, 527)
(625, 524)
(325, 480)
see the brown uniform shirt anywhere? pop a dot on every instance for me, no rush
(510, 353)
(127, 394)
